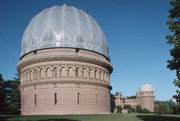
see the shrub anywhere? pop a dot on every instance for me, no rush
(177, 108)
(161, 108)
(119, 109)
(129, 108)
(138, 109)
(145, 111)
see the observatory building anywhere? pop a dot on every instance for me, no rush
(144, 98)
(64, 64)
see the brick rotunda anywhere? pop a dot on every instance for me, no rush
(64, 64)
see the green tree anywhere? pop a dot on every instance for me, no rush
(171, 105)
(9, 95)
(177, 108)
(174, 40)
(162, 108)
(159, 109)
(131, 97)
(13, 95)
(2, 95)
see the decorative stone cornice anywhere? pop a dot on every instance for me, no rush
(105, 64)
(66, 82)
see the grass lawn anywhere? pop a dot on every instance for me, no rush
(94, 117)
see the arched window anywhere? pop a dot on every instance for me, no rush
(48, 72)
(96, 74)
(55, 72)
(63, 72)
(35, 74)
(30, 75)
(104, 76)
(101, 75)
(55, 98)
(22, 78)
(107, 77)
(78, 98)
(70, 72)
(76, 72)
(35, 100)
(84, 73)
(41, 74)
(91, 74)
(27, 77)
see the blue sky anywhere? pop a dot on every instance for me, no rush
(135, 30)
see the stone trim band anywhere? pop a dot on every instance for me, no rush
(23, 64)
(66, 82)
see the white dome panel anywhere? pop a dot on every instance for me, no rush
(64, 26)
(146, 87)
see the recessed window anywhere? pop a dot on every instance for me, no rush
(48, 72)
(78, 101)
(55, 98)
(35, 100)
(55, 72)
(35, 74)
(77, 72)
(41, 73)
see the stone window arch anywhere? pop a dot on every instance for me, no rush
(101, 75)
(48, 72)
(104, 76)
(22, 77)
(91, 75)
(55, 72)
(77, 72)
(30, 75)
(96, 74)
(84, 73)
(41, 73)
(27, 77)
(35, 74)
(107, 77)
(63, 72)
(70, 72)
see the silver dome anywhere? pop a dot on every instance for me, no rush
(63, 26)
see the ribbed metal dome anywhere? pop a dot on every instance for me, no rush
(146, 87)
(63, 26)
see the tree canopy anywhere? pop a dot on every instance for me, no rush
(9, 95)
(174, 40)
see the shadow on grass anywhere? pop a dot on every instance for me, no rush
(10, 118)
(6, 117)
(57, 120)
(157, 118)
